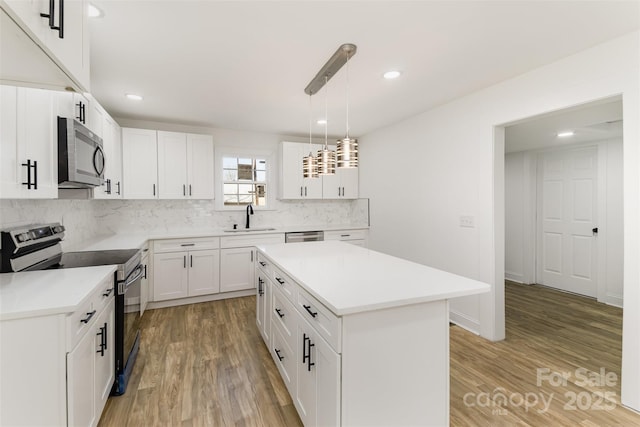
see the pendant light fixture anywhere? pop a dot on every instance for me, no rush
(310, 162)
(326, 157)
(348, 148)
(347, 153)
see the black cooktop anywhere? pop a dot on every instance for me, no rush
(88, 259)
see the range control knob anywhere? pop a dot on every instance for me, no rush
(58, 229)
(23, 237)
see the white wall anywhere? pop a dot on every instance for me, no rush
(519, 190)
(520, 206)
(424, 173)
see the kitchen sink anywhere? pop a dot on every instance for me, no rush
(249, 230)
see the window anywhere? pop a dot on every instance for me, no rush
(244, 181)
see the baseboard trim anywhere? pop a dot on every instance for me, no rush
(199, 299)
(514, 277)
(465, 322)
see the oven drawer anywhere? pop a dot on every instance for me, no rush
(177, 245)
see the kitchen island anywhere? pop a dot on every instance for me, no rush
(359, 337)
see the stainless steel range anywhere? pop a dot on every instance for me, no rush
(37, 247)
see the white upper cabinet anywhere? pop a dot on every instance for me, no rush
(185, 166)
(292, 183)
(28, 148)
(63, 34)
(112, 146)
(342, 185)
(200, 166)
(139, 164)
(172, 165)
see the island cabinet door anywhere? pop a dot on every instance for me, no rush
(80, 383)
(263, 298)
(318, 378)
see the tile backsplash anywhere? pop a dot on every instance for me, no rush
(87, 218)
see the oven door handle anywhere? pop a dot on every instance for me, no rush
(131, 278)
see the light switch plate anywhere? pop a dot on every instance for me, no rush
(467, 221)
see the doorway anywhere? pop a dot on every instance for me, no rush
(563, 200)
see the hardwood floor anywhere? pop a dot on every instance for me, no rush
(547, 330)
(205, 365)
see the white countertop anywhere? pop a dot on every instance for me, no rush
(48, 292)
(349, 279)
(137, 240)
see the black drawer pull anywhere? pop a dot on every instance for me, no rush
(188, 244)
(262, 263)
(89, 316)
(107, 292)
(280, 358)
(281, 314)
(308, 308)
(279, 280)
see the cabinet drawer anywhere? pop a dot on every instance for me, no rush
(284, 283)
(283, 316)
(346, 235)
(328, 325)
(195, 244)
(250, 240)
(104, 294)
(285, 359)
(264, 264)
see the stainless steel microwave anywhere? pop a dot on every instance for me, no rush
(80, 155)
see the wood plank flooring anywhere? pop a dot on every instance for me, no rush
(205, 365)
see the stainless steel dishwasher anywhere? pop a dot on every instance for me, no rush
(304, 236)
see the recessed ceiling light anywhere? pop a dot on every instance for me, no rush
(565, 134)
(321, 122)
(390, 75)
(133, 97)
(93, 11)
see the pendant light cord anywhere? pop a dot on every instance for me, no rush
(310, 121)
(348, 96)
(326, 113)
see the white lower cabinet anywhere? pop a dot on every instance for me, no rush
(263, 305)
(237, 260)
(62, 374)
(185, 268)
(356, 237)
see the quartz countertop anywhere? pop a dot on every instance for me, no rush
(137, 240)
(48, 292)
(349, 279)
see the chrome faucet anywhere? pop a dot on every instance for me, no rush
(249, 212)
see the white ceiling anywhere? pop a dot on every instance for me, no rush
(244, 64)
(596, 121)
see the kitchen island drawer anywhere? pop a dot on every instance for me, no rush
(264, 264)
(283, 317)
(284, 283)
(177, 245)
(328, 325)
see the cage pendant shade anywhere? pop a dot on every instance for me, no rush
(326, 162)
(310, 166)
(347, 153)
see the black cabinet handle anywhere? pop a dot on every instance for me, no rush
(35, 174)
(80, 109)
(262, 263)
(145, 271)
(300, 191)
(184, 261)
(279, 280)
(184, 190)
(101, 335)
(50, 15)
(594, 230)
(260, 291)
(154, 189)
(118, 184)
(187, 244)
(28, 183)
(280, 314)
(306, 351)
(108, 182)
(191, 261)
(105, 335)
(280, 358)
(308, 308)
(305, 191)
(89, 316)
(107, 292)
(189, 189)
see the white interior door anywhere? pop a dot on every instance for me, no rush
(567, 209)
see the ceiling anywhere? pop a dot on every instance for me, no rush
(244, 64)
(596, 121)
